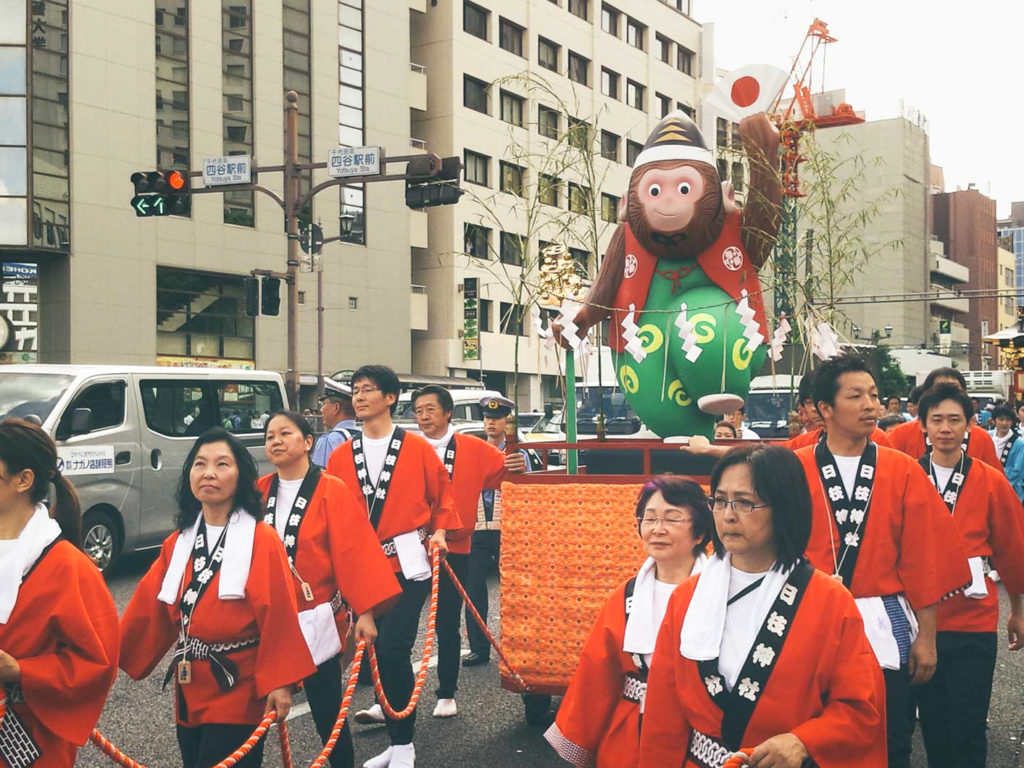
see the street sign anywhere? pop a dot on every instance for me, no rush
(236, 169)
(470, 319)
(311, 239)
(354, 161)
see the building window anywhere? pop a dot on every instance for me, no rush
(475, 167)
(511, 178)
(582, 259)
(548, 189)
(609, 208)
(579, 199)
(610, 20)
(722, 132)
(723, 168)
(579, 134)
(579, 69)
(633, 151)
(609, 83)
(634, 94)
(353, 302)
(635, 33)
(737, 176)
(478, 241)
(172, 85)
(684, 60)
(474, 94)
(236, 58)
(547, 54)
(686, 109)
(547, 122)
(512, 248)
(609, 146)
(737, 140)
(474, 20)
(664, 104)
(664, 48)
(580, 8)
(511, 320)
(351, 105)
(512, 108)
(202, 314)
(486, 308)
(510, 37)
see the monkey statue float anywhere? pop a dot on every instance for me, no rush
(679, 280)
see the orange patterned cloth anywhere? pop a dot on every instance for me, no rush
(565, 547)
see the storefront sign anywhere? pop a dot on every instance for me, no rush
(174, 361)
(470, 319)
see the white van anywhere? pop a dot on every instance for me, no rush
(123, 433)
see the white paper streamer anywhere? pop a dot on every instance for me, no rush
(779, 337)
(824, 341)
(633, 345)
(688, 334)
(751, 328)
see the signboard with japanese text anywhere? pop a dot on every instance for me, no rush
(19, 314)
(176, 361)
(236, 169)
(470, 319)
(85, 459)
(354, 161)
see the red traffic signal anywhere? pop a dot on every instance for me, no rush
(160, 182)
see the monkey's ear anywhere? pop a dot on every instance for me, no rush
(729, 197)
(623, 205)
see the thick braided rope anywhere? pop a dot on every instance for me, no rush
(739, 759)
(346, 701)
(3, 704)
(121, 758)
(428, 647)
(483, 626)
(286, 745)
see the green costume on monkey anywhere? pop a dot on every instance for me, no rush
(683, 244)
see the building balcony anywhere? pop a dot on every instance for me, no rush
(950, 269)
(417, 84)
(950, 299)
(418, 307)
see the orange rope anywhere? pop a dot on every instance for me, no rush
(739, 759)
(428, 647)
(483, 626)
(3, 704)
(346, 700)
(286, 745)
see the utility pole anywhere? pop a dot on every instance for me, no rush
(291, 203)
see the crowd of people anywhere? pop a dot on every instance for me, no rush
(829, 593)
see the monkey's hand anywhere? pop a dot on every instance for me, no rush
(758, 134)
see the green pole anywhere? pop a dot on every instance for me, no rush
(570, 410)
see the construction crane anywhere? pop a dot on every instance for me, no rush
(795, 118)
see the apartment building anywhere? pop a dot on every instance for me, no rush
(512, 87)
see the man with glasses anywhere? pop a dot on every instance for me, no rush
(899, 563)
(407, 495)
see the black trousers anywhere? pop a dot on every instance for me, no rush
(324, 690)
(203, 746)
(396, 635)
(483, 557)
(899, 716)
(449, 619)
(953, 705)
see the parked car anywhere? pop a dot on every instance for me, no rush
(123, 433)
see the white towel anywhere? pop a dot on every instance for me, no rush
(978, 589)
(321, 633)
(234, 569)
(39, 532)
(412, 556)
(878, 629)
(642, 626)
(701, 636)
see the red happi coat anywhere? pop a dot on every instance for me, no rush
(338, 552)
(149, 628)
(826, 688)
(420, 494)
(478, 466)
(909, 438)
(594, 720)
(63, 633)
(908, 544)
(989, 516)
(811, 438)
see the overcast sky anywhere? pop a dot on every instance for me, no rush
(960, 65)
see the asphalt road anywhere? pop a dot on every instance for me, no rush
(489, 730)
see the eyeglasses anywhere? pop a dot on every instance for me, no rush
(668, 522)
(740, 506)
(356, 391)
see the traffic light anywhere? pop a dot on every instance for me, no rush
(271, 300)
(436, 182)
(252, 296)
(161, 193)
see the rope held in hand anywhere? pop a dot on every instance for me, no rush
(739, 759)
(346, 700)
(286, 745)
(428, 647)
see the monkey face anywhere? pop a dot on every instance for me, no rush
(669, 197)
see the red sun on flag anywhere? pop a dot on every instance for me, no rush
(745, 91)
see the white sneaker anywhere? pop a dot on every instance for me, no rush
(383, 760)
(372, 716)
(403, 756)
(446, 708)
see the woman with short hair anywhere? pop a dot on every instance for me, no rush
(598, 722)
(761, 651)
(58, 623)
(221, 594)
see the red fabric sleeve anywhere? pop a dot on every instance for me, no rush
(879, 436)
(1006, 535)
(905, 438)
(66, 687)
(282, 657)
(492, 464)
(146, 628)
(982, 447)
(666, 731)
(438, 492)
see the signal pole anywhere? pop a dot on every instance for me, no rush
(291, 203)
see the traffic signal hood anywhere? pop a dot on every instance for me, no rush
(271, 299)
(436, 181)
(161, 193)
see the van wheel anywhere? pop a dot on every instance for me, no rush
(100, 539)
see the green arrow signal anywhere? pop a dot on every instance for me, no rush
(141, 205)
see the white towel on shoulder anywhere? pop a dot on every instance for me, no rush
(39, 532)
(642, 625)
(234, 569)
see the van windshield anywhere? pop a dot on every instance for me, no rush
(768, 412)
(31, 394)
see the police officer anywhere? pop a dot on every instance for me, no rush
(339, 423)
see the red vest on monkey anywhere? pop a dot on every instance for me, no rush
(725, 262)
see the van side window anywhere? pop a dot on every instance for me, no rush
(106, 401)
(245, 406)
(176, 407)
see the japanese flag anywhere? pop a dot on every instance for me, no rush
(747, 91)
